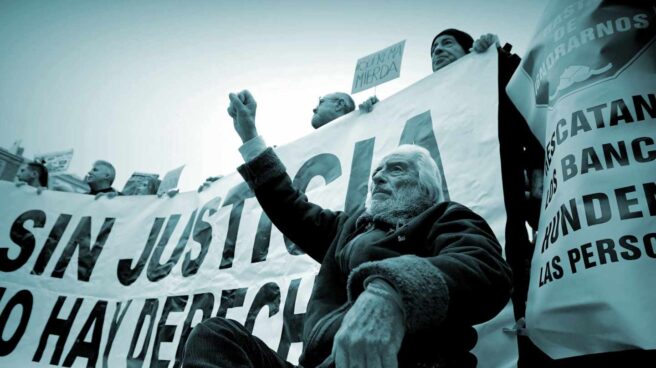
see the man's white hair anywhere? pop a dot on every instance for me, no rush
(430, 179)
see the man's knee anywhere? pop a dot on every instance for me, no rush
(213, 329)
(210, 339)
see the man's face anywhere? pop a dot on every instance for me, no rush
(142, 187)
(97, 173)
(395, 182)
(25, 174)
(445, 50)
(328, 109)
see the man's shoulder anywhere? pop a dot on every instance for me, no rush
(450, 211)
(105, 190)
(448, 206)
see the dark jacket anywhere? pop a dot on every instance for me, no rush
(520, 153)
(445, 263)
(105, 190)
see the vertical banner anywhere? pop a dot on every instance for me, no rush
(587, 87)
(121, 282)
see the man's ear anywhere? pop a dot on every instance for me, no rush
(340, 105)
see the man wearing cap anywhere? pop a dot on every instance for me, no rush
(452, 44)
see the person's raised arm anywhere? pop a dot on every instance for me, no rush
(309, 226)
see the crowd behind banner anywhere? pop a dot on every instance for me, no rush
(121, 278)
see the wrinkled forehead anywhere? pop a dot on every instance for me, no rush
(442, 39)
(399, 157)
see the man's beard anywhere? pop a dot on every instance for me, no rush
(406, 204)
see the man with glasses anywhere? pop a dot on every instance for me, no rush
(330, 107)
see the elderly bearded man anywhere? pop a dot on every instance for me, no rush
(401, 283)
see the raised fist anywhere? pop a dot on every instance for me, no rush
(242, 110)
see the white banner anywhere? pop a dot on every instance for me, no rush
(121, 282)
(587, 88)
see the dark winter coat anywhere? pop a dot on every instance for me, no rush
(445, 263)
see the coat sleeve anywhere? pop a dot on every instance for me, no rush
(464, 281)
(308, 225)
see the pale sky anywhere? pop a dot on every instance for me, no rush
(144, 84)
